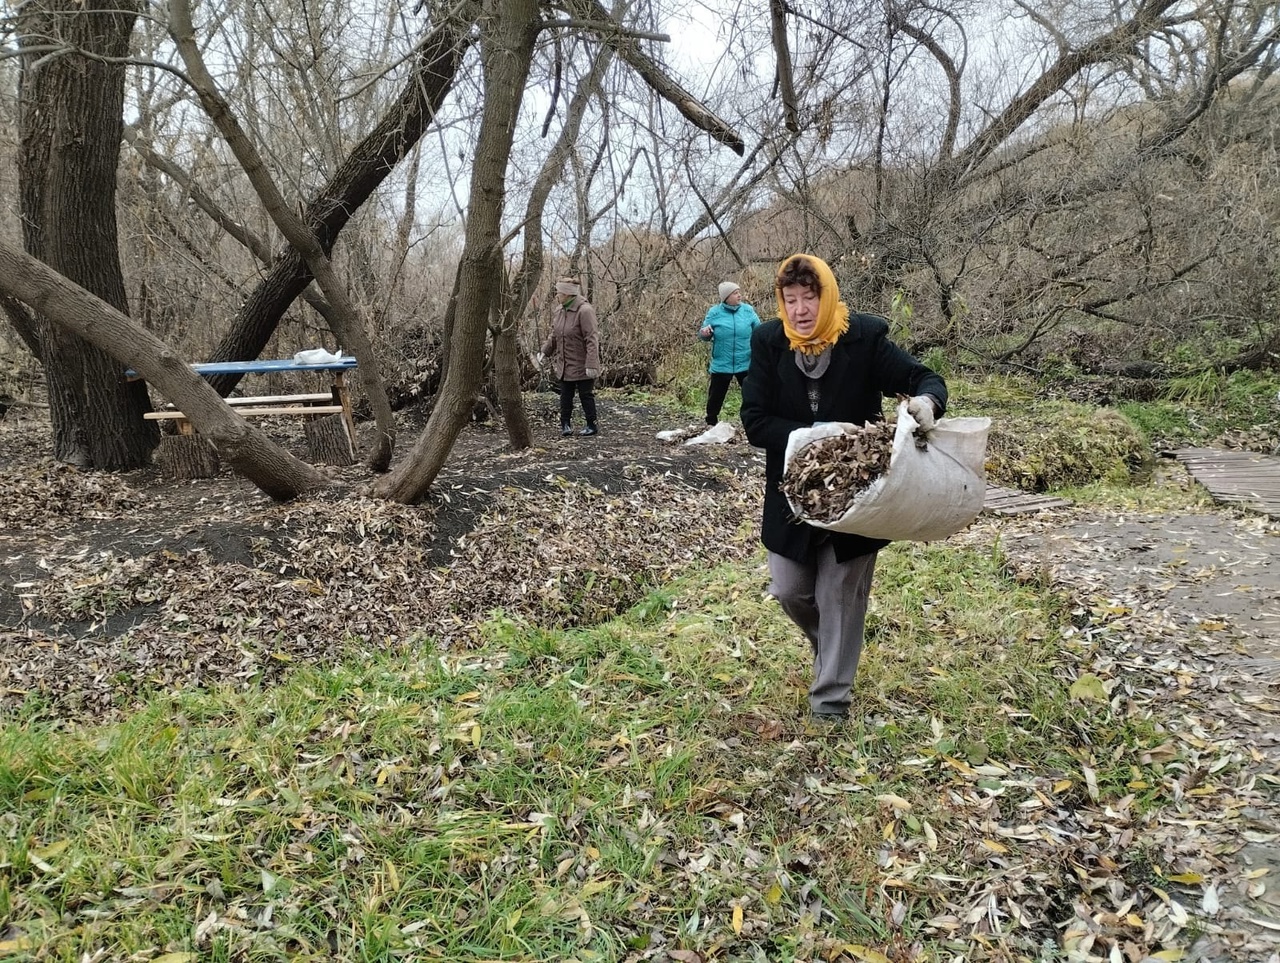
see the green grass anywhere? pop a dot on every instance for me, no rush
(684, 381)
(643, 787)
(650, 782)
(1204, 406)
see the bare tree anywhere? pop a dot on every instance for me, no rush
(72, 93)
(521, 290)
(348, 326)
(1022, 202)
(506, 51)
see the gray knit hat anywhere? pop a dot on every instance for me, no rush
(727, 288)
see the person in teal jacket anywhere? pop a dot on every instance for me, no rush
(728, 326)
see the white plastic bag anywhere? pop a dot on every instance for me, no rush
(717, 434)
(925, 494)
(316, 356)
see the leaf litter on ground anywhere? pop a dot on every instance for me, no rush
(645, 784)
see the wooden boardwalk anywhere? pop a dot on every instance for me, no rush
(1244, 478)
(1010, 501)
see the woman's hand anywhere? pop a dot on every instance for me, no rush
(706, 331)
(922, 409)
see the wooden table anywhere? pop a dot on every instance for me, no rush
(326, 445)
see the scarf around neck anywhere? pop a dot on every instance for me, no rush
(833, 314)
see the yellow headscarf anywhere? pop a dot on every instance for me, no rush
(833, 314)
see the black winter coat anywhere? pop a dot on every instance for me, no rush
(865, 366)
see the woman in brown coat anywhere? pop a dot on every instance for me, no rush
(574, 347)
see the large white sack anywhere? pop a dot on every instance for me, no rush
(925, 494)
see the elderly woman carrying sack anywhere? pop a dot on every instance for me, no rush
(728, 326)
(816, 362)
(574, 347)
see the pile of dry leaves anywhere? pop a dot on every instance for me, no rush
(824, 478)
(116, 584)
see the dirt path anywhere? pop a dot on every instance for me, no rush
(1195, 598)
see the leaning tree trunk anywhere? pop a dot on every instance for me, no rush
(77, 311)
(506, 359)
(70, 126)
(506, 44)
(363, 171)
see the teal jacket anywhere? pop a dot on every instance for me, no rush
(730, 337)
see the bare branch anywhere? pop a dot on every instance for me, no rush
(782, 54)
(608, 26)
(611, 32)
(953, 83)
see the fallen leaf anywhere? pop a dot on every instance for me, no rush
(1088, 688)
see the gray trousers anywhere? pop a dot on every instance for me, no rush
(828, 600)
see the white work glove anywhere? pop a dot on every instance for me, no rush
(539, 359)
(593, 373)
(921, 409)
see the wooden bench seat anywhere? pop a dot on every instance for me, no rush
(173, 413)
(316, 398)
(328, 422)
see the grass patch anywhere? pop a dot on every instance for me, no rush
(641, 787)
(684, 380)
(1042, 441)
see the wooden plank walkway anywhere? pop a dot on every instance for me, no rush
(1010, 501)
(1244, 478)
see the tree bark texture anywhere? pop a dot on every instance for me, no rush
(508, 32)
(70, 123)
(329, 440)
(187, 457)
(246, 449)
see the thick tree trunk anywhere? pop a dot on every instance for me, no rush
(70, 125)
(364, 170)
(507, 37)
(79, 312)
(505, 374)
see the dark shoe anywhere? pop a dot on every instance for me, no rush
(589, 430)
(712, 421)
(566, 430)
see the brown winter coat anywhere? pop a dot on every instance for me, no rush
(574, 343)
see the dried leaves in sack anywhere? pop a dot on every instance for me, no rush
(825, 478)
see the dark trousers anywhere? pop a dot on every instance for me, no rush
(586, 391)
(719, 388)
